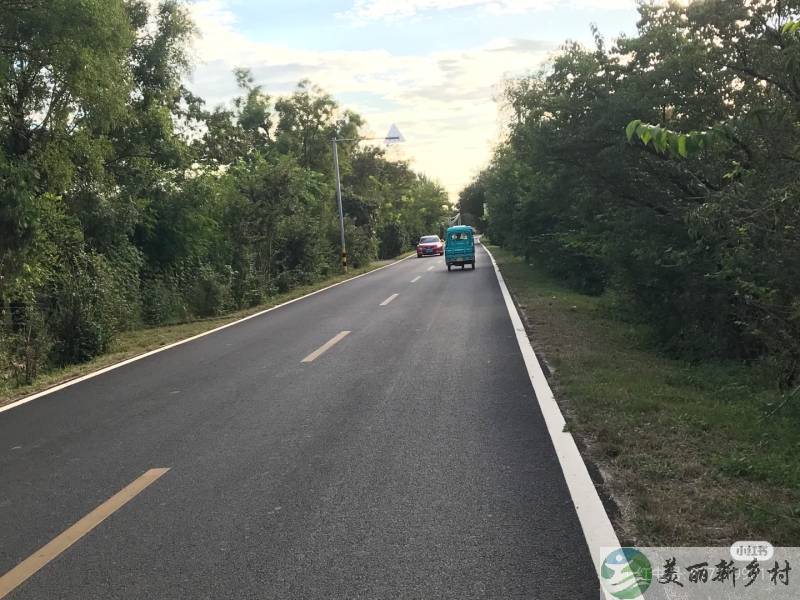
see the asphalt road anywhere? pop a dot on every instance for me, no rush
(408, 460)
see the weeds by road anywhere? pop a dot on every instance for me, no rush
(692, 454)
(137, 341)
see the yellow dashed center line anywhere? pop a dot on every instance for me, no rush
(28, 567)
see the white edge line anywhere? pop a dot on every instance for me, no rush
(596, 525)
(389, 299)
(128, 361)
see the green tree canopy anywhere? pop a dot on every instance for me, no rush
(693, 221)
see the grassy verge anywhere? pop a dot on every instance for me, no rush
(131, 343)
(702, 454)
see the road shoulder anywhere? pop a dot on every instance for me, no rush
(594, 520)
(692, 454)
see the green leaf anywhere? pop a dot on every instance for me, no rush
(656, 131)
(790, 27)
(693, 143)
(630, 130)
(662, 139)
(645, 133)
(682, 149)
(672, 140)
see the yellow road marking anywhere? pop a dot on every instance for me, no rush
(28, 567)
(416, 279)
(389, 299)
(326, 346)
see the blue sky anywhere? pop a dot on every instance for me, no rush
(434, 67)
(314, 24)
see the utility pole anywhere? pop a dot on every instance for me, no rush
(339, 203)
(394, 136)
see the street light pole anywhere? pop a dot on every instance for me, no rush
(393, 136)
(339, 203)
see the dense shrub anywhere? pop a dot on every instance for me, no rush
(24, 345)
(83, 308)
(694, 223)
(392, 240)
(162, 300)
(362, 247)
(209, 291)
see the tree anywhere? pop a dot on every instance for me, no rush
(62, 70)
(125, 201)
(695, 223)
(308, 120)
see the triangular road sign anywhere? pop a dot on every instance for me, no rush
(394, 136)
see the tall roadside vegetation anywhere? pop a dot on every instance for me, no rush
(125, 200)
(692, 219)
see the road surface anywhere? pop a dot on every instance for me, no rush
(405, 459)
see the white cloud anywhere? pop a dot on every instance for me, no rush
(374, 10)
(443, 102)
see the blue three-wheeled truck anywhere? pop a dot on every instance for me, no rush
(459, 247)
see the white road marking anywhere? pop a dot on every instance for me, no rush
(389, 299)
(326, 346)
(72, 382)
(431, 268)
(596, 525)
(416, 279)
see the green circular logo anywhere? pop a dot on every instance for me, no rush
(626, 573)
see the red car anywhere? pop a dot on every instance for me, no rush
(430, 245)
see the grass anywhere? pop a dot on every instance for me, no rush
(137, 341)
(690, 454)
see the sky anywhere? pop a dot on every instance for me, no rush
(436, 68)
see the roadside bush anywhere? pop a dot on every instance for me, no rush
(285, 281)
(570, 260)
(125, 264)
(83, 308)
(249, 292)
(392, 240)
(208, 291)
(24, 348)
(162, 300)
(300, 248)
(362, 247)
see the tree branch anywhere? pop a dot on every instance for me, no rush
(756, 75)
